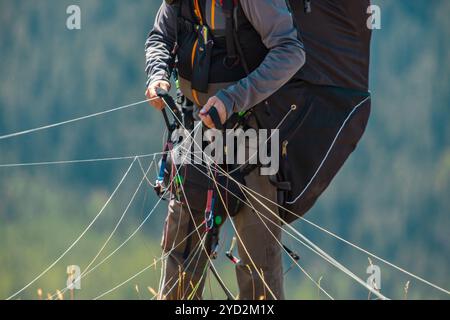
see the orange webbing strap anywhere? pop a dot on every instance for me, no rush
(198, 12)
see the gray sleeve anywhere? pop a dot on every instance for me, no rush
(274, 22)
(160, 44)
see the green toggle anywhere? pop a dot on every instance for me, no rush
(178, 180)
(218, 220)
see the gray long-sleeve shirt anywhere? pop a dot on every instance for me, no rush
(271, 19)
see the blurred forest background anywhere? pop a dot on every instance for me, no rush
(392, 197)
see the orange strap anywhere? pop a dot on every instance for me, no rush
(198, 12)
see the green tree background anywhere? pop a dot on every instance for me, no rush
(392, 197)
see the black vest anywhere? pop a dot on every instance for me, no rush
(334, 33)
(199, 61)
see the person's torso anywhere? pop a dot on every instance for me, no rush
(195, 64)
(334, 32)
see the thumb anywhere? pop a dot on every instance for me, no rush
(208, 106)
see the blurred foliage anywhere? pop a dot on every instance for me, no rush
(392, 197)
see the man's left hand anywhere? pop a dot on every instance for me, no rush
(221, 109)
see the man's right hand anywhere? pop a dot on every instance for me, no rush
(153, 97)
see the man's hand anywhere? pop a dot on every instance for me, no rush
(151, 93)
(221, 109)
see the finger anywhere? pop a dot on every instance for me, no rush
(151, 98)
(208, 122)
(165, 86)
(208, 106)
(156, 102)
(204, 111)
(223, 114)
(153, 92)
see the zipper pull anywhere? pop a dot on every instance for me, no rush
(284, 148)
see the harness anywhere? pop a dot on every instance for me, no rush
(189, 177)
(209, 50)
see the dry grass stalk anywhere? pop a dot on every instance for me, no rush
(136, 287)
(39, 293)
(59, 295)
(406, 290)
(153, 292)
(319, 286)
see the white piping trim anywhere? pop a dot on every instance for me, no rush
(329, 150)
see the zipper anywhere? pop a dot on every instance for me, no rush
(284, 148)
